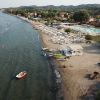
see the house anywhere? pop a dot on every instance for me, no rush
(95, 23)
(91, 19)
(62, 14)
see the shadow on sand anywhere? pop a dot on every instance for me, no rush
(92, 93)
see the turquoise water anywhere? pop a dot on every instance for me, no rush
(20, 49)
(86, 29)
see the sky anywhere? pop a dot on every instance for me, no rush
(16, 3)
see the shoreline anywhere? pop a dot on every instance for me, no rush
(74, 84)
(57, 87)
(54, 66)
(70, 75)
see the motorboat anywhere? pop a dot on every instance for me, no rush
(21, 75)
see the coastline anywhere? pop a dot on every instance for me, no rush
(58, 91)
(54, 64)
(61, 93)
(74, 84)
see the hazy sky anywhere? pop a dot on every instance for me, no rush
(14, 3)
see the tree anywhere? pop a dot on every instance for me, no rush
(81, 16)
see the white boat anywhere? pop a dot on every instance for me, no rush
(21, 75)
(45, 49)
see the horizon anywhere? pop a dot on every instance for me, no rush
(47, 5)
(18, 3)
(52, 5)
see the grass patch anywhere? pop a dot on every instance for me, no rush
(58, 56)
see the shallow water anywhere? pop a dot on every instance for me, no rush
(86, 29)
(20, 49)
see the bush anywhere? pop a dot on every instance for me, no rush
(81, 16)
(93, 38)
(68, 30)
(88, 37)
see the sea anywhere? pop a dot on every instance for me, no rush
(20, 50)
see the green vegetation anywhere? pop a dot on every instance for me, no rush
(58, 13)
(58, 56)
(68, 30)
(81, 16)
(93, 38)
(88, 37)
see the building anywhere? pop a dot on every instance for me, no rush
(91, 19)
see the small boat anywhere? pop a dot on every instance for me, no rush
(21, 75)
(45, 49)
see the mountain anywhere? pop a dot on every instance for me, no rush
(62, 7)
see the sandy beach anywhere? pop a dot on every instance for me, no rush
(76, 84)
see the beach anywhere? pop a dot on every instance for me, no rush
(76, 84)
